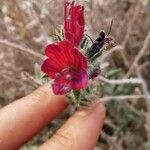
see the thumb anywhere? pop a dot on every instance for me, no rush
(81, 131)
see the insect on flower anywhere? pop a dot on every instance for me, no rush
(73, 22)
(98, 44)
(67, 66)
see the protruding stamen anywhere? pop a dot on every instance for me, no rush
(68, 77)
(66, 71)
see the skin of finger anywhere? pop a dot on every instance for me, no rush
(22, 119)
(80, 132)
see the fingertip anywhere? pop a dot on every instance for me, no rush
(30, 115)
(93, 110)
(81, 131)
(90, 127)
(46, 92)
(99, 111)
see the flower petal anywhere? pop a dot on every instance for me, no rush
(80, 60)
(80, 80)
(61, 89)
(55, 53)
(52, 49)
(50, 68)
(74, 23)
(67, 48)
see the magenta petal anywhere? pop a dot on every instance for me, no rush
(52, 49)
(56, 54)
(49, 68)
(80, 81)
(60, 88)
(79, 59)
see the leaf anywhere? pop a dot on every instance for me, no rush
(147, 146)
(124, 89)
(44, 76)
(84, 45)
(37, 71)
(77, 95)
(109, 89)
(113, 73)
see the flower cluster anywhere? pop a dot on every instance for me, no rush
(67, 66)
(66, 63)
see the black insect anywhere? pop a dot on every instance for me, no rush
(98, 44)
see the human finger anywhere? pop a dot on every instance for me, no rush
(81, 131)
(22, 119)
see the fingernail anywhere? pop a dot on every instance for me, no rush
(88, 110)
(93, 105)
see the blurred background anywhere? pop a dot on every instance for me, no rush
(26, 26)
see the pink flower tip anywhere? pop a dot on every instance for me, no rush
(74, 22)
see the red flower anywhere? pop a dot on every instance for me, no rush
(73, 22)
(67, 66)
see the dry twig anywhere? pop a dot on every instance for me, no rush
(31, 78)
(112, 141)
(123, 97)
(14, 80)
(121, 81)
(24, 49)
(140, 54)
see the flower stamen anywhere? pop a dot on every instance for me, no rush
(68, 77)
(66, 71)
